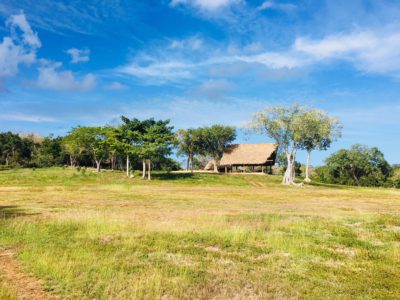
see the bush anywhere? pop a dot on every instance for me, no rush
(360, 166)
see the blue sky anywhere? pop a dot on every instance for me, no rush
(200, 62)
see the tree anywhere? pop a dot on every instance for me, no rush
(50, 152)
(92, 139)
(283, 125)
(282, 162)
(16, 150)
(113, 142)
(360, 166)
(73, 146)
(130, 137)
(156, 142)
(215, 140)
(317, 130)
(189, 144)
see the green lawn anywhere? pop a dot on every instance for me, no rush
(200, 236)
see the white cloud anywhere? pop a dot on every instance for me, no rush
(78, 55)
(368, 51)
(161, 71)
(376, 52)
(18, 48)
(51, 79)
(209, 5)
(116, 86)
(273, 60)
(213, 89)
(192, 43)
(277, 6)
(28, 36)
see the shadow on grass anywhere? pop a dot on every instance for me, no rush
(330, 185)
(12, 211)
(172, 176)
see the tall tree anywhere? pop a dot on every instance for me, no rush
(131, 137)
(92, 139)
(318, 130)
(113, 142)
(215, 140)
(282, 124)
(74, 146)
(156, 142)
(189, 144)
(10, 145)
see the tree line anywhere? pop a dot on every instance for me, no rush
(147, 144)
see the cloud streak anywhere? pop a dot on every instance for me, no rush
(209, 5)
(376, 52)
(268, 5)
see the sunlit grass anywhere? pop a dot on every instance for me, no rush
(102, 236)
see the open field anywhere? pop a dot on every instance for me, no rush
(201, 236)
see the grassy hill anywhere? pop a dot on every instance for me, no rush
(184, 236)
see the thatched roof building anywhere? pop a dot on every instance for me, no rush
(250, 155)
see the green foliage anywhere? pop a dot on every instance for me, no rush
(215, 139)
(15, 150)
(90, 139)
(359, 166)
(156, 140)
(190, 143)
(317, 129)
(50, 152)
(281, 124)
(394, 180)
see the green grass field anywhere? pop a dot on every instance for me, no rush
(201, 236)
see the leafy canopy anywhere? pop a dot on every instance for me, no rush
(360, 165)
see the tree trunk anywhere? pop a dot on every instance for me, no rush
(113, 161)
(191, 162)
(356, 179)
(188, 163)
(127, 166)
(144, 169)
(288, 178)
(307, 179)
(215, 166)
(72, 161)
(149, 171)
(98, 163)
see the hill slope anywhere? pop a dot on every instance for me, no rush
(198, 236)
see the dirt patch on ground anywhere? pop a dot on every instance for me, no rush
(27, 287)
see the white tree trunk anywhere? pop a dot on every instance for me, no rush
(149, 171)
(98, 163)
(288, 178)
(144, 169)
(127, 166)
(215, 166)
(307, 179)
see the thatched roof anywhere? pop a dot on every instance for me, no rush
(249, 154)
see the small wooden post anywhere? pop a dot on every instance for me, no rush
(226, 169)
